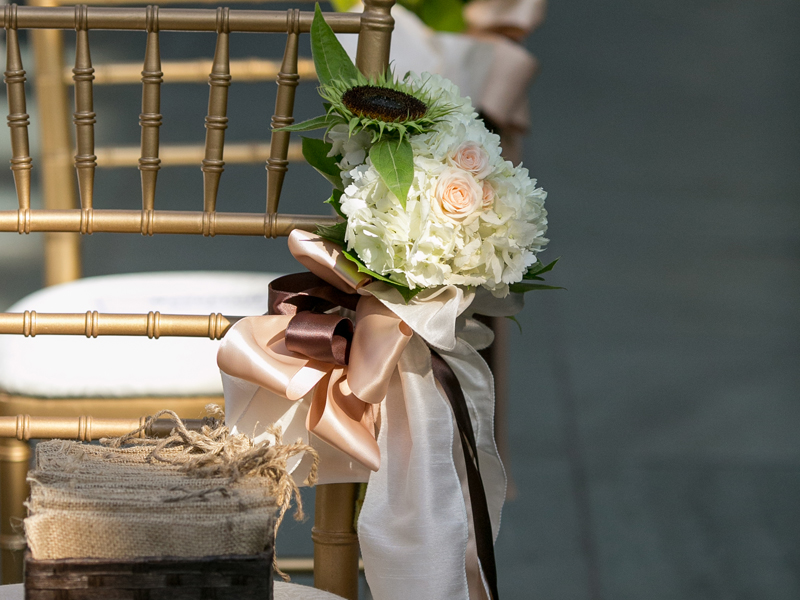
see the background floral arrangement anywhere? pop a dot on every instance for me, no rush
(426, 196)
(443, 15)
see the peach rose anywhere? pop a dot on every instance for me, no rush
(458, 194)
(471, 157)
(488, 195)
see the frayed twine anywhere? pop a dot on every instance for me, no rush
(215, 452)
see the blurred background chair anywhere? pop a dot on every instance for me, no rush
(110, 381)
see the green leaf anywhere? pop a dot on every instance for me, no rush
(316, 123)
(395, 164)
(316, 153)
(513, 318)
(353, 124)
(402, 129)
(332, 233)
(334, 201)
(330, 59)
(536, 270)
(524, 286)
(405, 291)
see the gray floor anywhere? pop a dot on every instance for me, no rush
(655, 411)
(657, 454)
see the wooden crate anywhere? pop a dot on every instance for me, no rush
(157, 578)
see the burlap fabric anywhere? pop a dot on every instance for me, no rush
(191, 494)
(92, 501)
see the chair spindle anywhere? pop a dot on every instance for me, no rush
(288, 78)
(84, 116)
(18, 119)
(372, 56)
(150, 118)
(217, 120)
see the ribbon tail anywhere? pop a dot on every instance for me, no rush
(413, 527)
(480, 552)
(477, 384)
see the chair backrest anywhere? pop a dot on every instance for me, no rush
(62, 256)
(373, 27)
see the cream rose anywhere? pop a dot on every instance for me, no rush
(488, 195)
(458, 194)
(471, 157)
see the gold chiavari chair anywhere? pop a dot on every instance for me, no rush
(336, 546)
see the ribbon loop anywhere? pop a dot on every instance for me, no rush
(320, 336)
(299, 292)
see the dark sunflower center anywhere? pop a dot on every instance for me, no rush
(383, 104)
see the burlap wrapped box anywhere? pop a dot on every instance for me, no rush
(112, 522)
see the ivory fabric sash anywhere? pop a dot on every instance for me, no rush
(415, 526)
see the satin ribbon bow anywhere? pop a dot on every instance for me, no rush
(305, 344)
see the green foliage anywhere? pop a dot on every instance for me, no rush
(335, 202)
(316, 153)
(333, 233)
(524, 286)
(394, 161)
(330, 59)
(323, 121)
(405, 291)
(441, 15)
(534, 273)
(514, 319)
(343, 5)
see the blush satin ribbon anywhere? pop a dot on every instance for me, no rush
(299, 348)
(428, 518)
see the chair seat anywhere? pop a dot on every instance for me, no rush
(283, 591)
(127, 367)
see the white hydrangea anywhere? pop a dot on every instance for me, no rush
(445, 235)
(353, 148)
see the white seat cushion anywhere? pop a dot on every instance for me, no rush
(55, 366)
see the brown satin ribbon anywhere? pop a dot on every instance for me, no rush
(311, 332)
(484, 541)
(319, 336)
(298, 292)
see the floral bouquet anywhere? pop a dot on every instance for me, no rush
(372, 357)
(426, 196)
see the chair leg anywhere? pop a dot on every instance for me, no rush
(14, 459)
(335, 540)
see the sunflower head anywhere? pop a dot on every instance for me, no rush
(384, 105)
